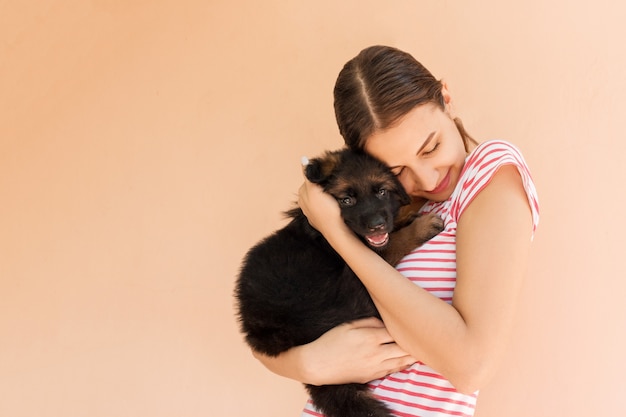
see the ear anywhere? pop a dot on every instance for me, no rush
(313, 171)
(319, 170)
(447, 99)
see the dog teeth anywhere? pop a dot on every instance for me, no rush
(379, 240)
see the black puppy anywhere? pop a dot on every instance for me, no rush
(293, 286)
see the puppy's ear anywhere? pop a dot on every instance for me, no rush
(313, 171)
(320, 169)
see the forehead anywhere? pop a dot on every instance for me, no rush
(406, 136)
(359, 177)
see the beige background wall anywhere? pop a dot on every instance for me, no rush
(146, 145)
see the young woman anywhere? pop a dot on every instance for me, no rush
(447, 307)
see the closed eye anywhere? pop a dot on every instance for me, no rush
(433, 149)
(397, 171)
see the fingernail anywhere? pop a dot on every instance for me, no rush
(304, 161)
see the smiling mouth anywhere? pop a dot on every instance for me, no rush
(378, 241)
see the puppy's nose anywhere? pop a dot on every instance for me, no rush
(376, 222)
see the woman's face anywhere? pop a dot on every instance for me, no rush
(424, 149)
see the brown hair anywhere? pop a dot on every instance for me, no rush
(379, 86)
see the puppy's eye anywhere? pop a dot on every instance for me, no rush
(382, 192)
(347, 201)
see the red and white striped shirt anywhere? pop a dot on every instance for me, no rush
(419, 391)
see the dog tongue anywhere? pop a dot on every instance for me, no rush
(378, 240)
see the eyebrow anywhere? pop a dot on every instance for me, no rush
(426, 142)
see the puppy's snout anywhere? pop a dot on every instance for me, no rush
(376, 223)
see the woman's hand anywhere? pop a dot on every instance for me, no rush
(320, 208)
(359, 351)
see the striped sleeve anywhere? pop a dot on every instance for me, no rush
(480, 168)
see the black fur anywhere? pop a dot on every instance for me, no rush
(293, 286)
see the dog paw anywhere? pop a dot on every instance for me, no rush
(428, 226)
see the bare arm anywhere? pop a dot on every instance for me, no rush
(464, 341)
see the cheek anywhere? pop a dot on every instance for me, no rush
(407, 183)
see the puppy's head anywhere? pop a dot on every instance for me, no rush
(368, 194)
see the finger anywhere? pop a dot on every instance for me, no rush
(397, 358)
(381, 336)
(393, 365)
(398, 364)
(303, 195)
(393, 351)
(301, 191)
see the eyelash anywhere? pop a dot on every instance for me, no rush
(397, 174)
(433, 149)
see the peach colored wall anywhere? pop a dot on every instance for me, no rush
(145, 145)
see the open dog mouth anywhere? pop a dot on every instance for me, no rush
(378, 241)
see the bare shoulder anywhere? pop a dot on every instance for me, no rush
(502, 204)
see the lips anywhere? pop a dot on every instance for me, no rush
(378, 241)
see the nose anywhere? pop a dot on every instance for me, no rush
(425, 177)
(376, 222)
